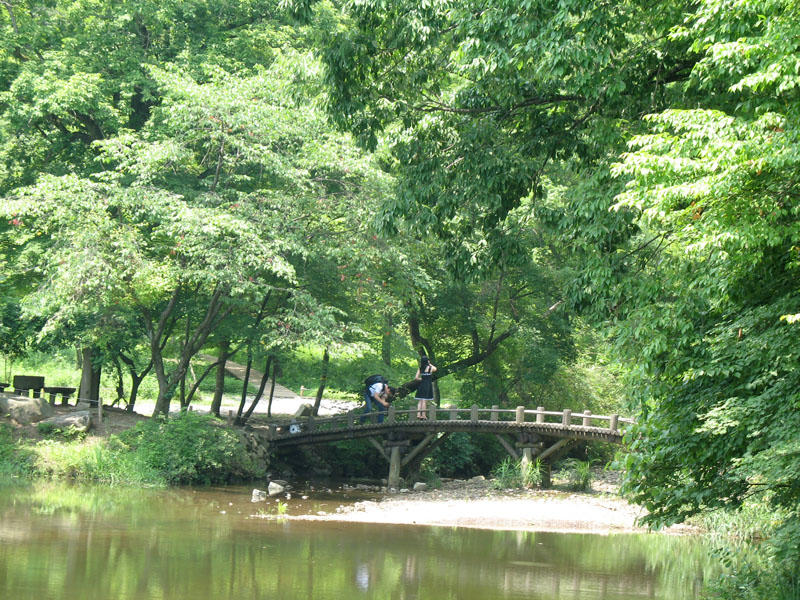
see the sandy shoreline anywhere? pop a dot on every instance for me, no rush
(474, 504)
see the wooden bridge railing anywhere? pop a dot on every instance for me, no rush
(392, 416)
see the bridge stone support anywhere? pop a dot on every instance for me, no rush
(400, 453)
(394, 467)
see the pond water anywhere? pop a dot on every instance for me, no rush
(83, 543)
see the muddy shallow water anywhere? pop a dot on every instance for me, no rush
(68, 542)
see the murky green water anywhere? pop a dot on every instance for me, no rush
(59, 542)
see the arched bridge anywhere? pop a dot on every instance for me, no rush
(407, 439)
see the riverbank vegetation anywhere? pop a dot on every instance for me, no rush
(585, 206)
(186, 449)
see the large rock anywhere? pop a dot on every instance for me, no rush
(80, 420)
(304, 410)
(25, 410)
(275, 488)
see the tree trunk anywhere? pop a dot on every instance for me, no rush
(157, 336)
(260, 391)
(90, 378)
(136, 379)
(275, 368)
(135, 383)
(323, 380)
(419, 343)
(245, 384)
(386, 342)
(219, 387)
(120, 383)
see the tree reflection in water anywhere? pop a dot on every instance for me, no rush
(74, 543)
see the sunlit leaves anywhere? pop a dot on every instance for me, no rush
(720, 185)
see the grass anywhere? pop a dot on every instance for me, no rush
(187, 449)
(345, 375)
(511, 474)
(578, 474)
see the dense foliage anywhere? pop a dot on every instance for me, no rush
(545, 179)
(660, 148)
(187, 449)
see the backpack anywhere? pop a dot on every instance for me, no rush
(373, 379)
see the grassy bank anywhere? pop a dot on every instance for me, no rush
(759, 548)
(186, 449)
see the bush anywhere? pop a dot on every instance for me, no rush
(189, 448)
(454, 458)
(513, 474)
(578, 474)
(95, 461)
(15, 460)
(69, 433)
(749, 582)
(759, 546)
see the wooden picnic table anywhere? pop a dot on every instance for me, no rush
(25, 383)
(65, 393)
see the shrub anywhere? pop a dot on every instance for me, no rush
(15, 459)
(51, 430)
(512, 474)
(578, 474)
(428, 474)
(532, 474)
(189, 448)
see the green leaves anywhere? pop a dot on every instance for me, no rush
(720, 184)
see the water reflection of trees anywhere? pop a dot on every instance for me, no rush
(105, 543)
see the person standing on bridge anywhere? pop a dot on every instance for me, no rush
(425, 389)
(378, 391)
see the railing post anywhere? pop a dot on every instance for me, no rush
(273, 431)
(392, 414)
(473, 412)
(494, 416)
(540, 414)
(566, 419)
(432, 412)
(614, 421)
(453, 415)
(351, 419)
(586, 415)
(310, 423)
(520, 414)
(229, 419)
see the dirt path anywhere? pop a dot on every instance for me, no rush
(255, 378)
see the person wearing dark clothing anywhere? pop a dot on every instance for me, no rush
(425, 389)
(377, 393)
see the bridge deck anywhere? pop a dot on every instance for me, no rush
(545, 424)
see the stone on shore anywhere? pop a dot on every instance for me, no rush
(79, 421)
(25, 410)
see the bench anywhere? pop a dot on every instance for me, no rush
(65, 393)
(25, 383)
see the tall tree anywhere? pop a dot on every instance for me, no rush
(195, 218)
(712, 312)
